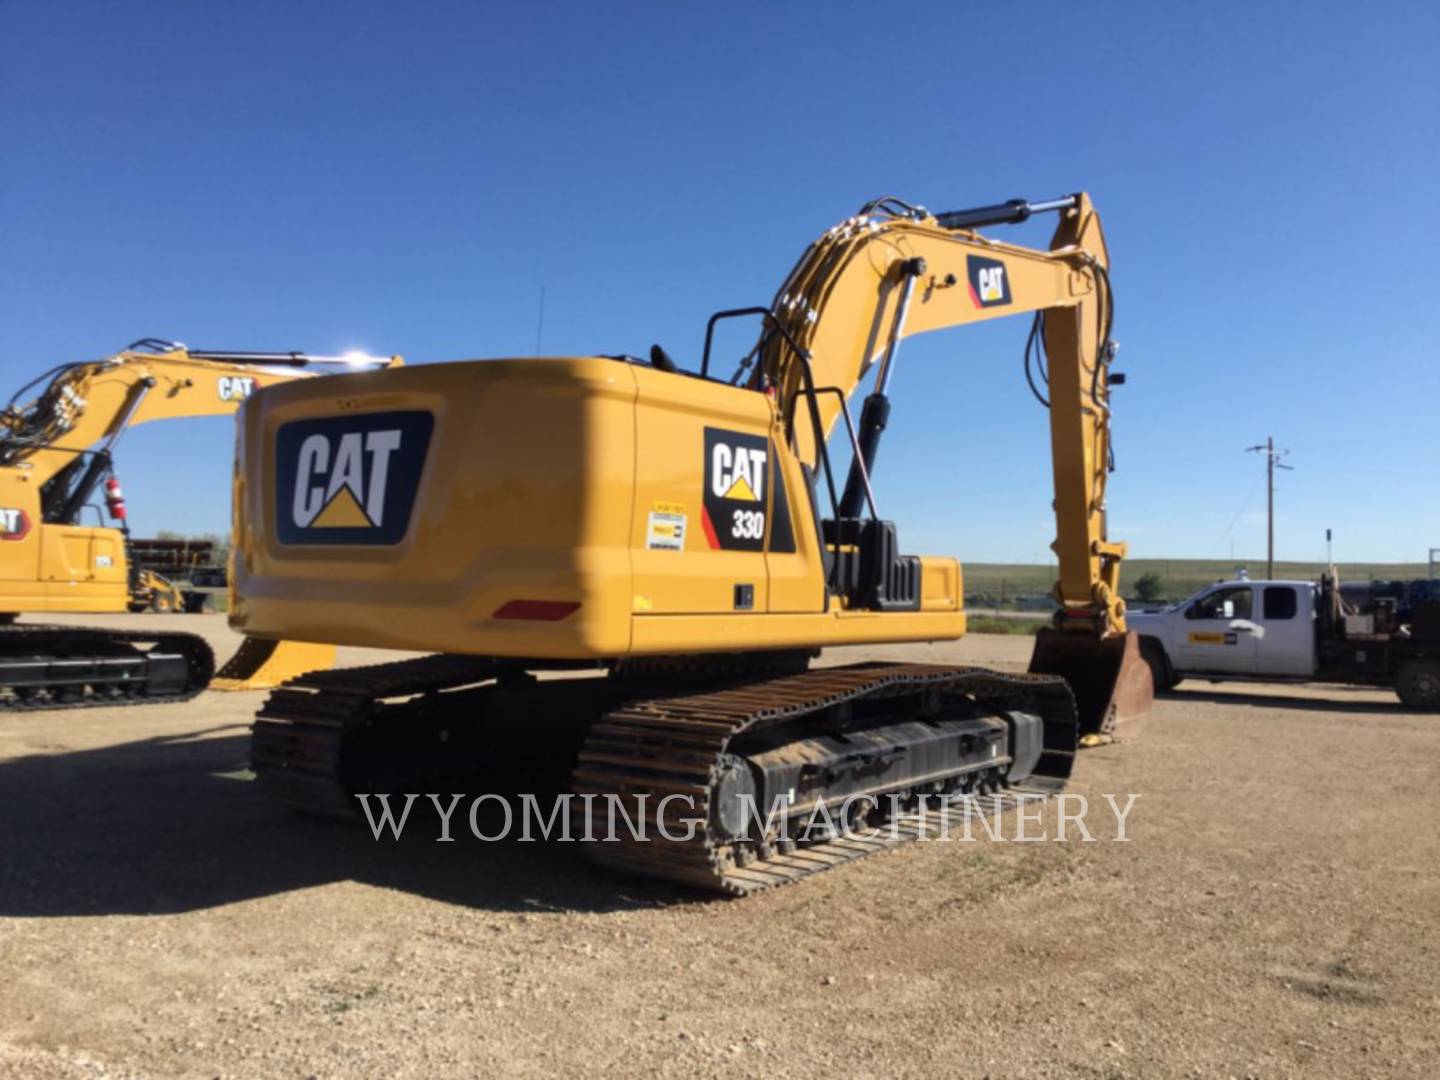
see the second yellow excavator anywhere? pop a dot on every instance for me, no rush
(682, 540)
(56, 462)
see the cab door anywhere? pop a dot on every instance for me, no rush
(83, 569)
(1286, 643)
(703, 472)
(1220, 633)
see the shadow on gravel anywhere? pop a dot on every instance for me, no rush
(166, 825)
(1336, 704)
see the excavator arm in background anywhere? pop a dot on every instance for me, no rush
(894, 271)
(63, 438)
(56, 450)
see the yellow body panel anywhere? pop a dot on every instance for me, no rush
(514, 501)
(942, 584)
(575, 481)
(54, 567)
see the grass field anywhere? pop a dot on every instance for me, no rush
(1001, 583)
(991, 624)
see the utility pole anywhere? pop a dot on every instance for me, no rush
(1272, 462)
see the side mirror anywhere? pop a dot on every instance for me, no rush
(1229, 609)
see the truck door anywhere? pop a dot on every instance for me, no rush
(1286, 642)
(1220, 633)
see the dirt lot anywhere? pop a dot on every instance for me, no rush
(1276, 913)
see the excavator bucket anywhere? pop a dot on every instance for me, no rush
(1111, 680)
(262, 665)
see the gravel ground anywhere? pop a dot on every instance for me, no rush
(1274, 913)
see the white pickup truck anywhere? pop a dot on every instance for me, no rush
(1290, 631)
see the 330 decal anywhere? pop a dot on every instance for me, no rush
(736, 508)
(736, 470)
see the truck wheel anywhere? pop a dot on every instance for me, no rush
(162, 604)
(1418, 684)
(1153, 653)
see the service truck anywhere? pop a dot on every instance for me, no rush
(1292, 631)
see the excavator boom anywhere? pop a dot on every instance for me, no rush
(895, 271)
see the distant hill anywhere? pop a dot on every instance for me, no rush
(997, 583)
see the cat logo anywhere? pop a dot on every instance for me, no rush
(14, 524)
(989, 283)
(736, 471)
(235, 387)
(350, 479)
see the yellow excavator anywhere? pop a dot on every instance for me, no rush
(677, 542)
(56, 461)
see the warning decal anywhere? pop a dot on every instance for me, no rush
(665, 530)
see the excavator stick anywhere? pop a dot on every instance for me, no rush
(1113, 687)
(260, 664)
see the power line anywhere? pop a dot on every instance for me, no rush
(1229, 531)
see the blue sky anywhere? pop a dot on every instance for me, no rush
(407, 177)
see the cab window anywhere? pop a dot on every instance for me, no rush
(1280, 602)
(1233, 603)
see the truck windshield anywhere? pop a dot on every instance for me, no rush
(1180, 605)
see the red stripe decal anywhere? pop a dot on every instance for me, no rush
(709, 529)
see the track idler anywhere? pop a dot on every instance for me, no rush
(1113, 688)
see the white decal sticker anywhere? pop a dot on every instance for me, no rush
(665, 530)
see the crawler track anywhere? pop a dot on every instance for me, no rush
(311, 732)
(674, 746)
(68, 667)
(304, 732)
